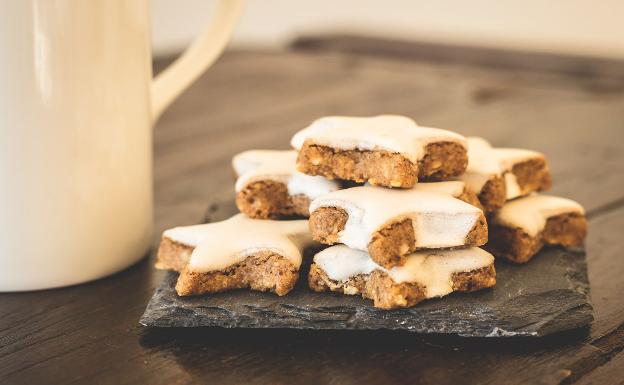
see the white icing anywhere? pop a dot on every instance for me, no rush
(279, 166)
(341, 263)
(251, 159)
(486, 162)
(394, 133)
(483, 164)
(222, 244)
(512, 188)
(531, 213)
(435, 269)
(432, 269)
(439, 220)
(453, 188)
(190, 235)
(508, 157)
(310, 186)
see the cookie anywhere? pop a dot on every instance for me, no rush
(392, 223)
(424, 275)
(521, 228)
(269, 185)
(385, 150)
(499, 174)
(239, 252)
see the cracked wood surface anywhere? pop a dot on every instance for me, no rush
(572, 109)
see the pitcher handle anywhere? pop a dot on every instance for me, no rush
(202, 52)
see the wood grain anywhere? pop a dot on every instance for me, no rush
(572, 109)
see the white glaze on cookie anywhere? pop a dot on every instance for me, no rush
(531, 213)
(508, 158)
(439, 220)
(279, 166)
(483, 164)
(512, 188)
(393, 133)
(453, 188)
(342, 263)
(222, 244)
(486, 162)
(432, 269)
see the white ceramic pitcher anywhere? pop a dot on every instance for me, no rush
(77, 105)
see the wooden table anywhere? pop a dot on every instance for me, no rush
(570, 108)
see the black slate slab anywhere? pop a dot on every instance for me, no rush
(547, 295)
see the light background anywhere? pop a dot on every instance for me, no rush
(584, 27)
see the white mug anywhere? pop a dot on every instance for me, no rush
(77, 106)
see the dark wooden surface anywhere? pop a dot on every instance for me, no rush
(570, 108)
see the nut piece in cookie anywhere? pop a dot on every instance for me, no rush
(239, 252)
(429, 274)
(521, 228)
(385, 150)
(269, 185)
(499, 174)
(392, 223)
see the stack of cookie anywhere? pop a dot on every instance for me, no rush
(405, 207)
(401, 240)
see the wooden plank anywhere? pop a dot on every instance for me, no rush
(605, 272)
(573, 65)
(610, 373)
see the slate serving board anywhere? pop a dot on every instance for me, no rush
(549, 294)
